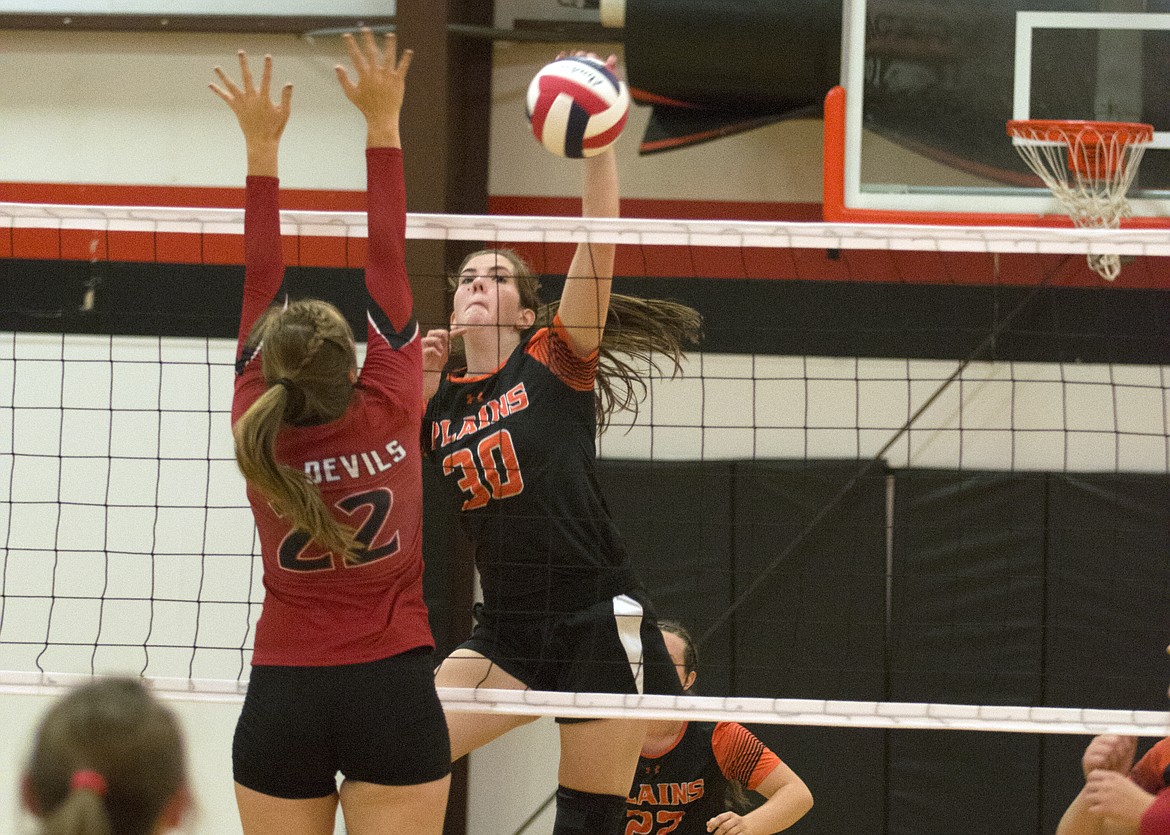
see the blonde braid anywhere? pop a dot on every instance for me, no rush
(294, 339)
(318, 318)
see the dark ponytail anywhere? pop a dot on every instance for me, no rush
(735, 795)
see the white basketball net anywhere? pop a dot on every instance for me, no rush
(1089, 170)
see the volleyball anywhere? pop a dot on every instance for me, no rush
(577, 107)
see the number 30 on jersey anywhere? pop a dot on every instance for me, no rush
(492, 471)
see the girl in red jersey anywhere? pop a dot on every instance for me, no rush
(107, 758)
(1121, 797)
(689, 770)
(341, 678)
(513, 426)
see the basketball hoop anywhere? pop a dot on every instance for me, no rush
(1089, 167)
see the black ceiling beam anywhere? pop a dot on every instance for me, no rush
(261, 24)
(524, 30)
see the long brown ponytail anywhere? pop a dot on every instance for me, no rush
(640, 335)
(308, 359)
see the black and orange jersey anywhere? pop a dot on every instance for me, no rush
(318, 608)
(517, 447)
(681, 789)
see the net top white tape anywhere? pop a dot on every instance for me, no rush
(819, 712)
(816, 712)
(540, 229)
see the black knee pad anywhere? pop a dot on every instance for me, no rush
(584, 813)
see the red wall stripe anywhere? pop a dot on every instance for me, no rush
(204, 197)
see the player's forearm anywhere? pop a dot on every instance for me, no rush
(594, 261)
(263, 261)
(1078, 820)
(600, 195)
(383, 133)
(262, 157)
(386, 279)
(784, 808)
(431, 380)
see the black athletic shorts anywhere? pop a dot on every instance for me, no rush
(378, 722)
(613, 646)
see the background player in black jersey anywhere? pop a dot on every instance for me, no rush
(342, 668)
(513, 426)
(690, 772)
(107, 758)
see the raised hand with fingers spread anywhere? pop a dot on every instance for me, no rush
(261, 119)
(380, 87)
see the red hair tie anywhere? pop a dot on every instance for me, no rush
(86, 779)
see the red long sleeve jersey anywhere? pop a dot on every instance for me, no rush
(680, 790)
(1152, 773)
(1156, 820)
(318, 609)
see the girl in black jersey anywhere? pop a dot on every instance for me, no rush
(513, 424)
(691, 772)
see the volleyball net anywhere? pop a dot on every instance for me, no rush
(913, 477)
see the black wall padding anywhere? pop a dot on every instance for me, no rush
(676, 521)
(814, 629)
(1109, 596)
(938, 321)
(853, 318)
(966, 628)
(1040, 589)
(1005, 588)
(968, 590)
(1108, 609)
(963, 783)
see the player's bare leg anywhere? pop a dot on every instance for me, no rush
(469, 731)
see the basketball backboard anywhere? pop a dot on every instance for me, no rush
(918, 135)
